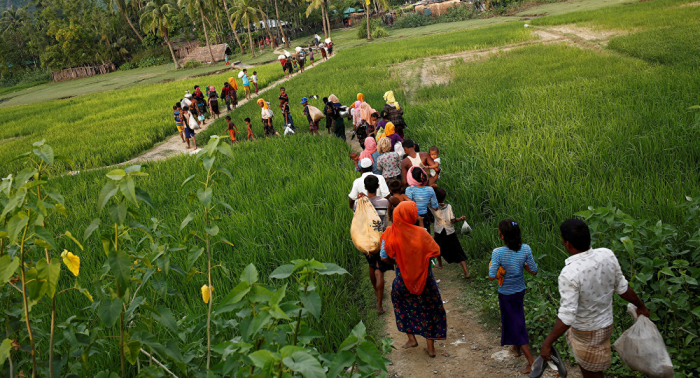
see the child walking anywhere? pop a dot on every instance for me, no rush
(179, 123)
(232, 130)
(246, 83)
(254, 79)
(313, 125)
(190, 122)
(445, 235)
(249, 129)
(515, 257)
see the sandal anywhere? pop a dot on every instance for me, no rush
(429, 355)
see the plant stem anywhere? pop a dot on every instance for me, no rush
(211, 300)
(24, 299)
(121, 344)
(298, 325)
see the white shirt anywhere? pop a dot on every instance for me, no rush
(443, 219)
(266, 113)
(359, 187)
(254, 79)
(587, 285)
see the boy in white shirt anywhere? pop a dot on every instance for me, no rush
(254, 79)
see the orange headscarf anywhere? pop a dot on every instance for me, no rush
(234, 84)
(360, 97)
(411, 246)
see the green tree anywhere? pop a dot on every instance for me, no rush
(279, 24)
(235, 34)
(193, 7)
(245, 11)
(156, 18)
(266, 24)
(315, 4)
(122, 7)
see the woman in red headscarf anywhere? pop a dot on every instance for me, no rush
(414, 293)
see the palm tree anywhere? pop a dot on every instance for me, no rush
(235, 34)
(264, 17)
(193, 7)
(12, 19)
(245, 11)
(279, 24)
(315, 4)
(122, 7)
(384, 4)
(156, 18)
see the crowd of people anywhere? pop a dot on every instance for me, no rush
(400, 182)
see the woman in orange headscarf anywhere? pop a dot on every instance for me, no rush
(414, 293)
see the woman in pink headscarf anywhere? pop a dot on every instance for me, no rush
(371, 153)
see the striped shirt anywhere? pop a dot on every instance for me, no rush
(422, 196)
(513, 262)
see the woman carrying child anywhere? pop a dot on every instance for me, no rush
(267, 115)
(514, 257)
(445, 235)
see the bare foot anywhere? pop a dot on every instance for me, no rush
(516, 350)
(429, 354)
(526, 369)
(410, 345)
(381, 311)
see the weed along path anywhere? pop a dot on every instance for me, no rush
(174, 145)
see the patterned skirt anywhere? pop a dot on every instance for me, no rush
(591, 348)
(419, 314)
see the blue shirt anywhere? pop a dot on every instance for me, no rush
(246, 82)
(422, 196)
(514, 263)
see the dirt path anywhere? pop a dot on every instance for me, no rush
(174, 144)
(470, 350)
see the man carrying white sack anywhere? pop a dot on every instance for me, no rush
(359, 185)
(586, 285)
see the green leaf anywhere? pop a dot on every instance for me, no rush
(36, 283)
(226, 172)
(306, 364)
(250, 274)
(116, 174)
(261, 357)
(106, 374)
(696, 311)
(369, 353)
(120, 266)
(128, 189)
(186, 221)
(44, 235)
(5, 348)
(108, 191)
(342, 360)
(45, 153)
(118, 212)
(208, 161)
(109, 311)
(187, 180)
(144, 197)
(213, 230)
(193, 256)
(14, 201)
(289, 350)
(233, 297)
(50, 273)
(166, 318)
(205, 196)
(8, 267)
(278, 295)
(135, 303)
(282, 271)
(91, 228)
(311, 302)
(332, 269)
(15, 226)
(71, 237)
(225, 149)
(131, 352)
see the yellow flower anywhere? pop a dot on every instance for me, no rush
(72, 262)
(136, 262)
(206, 293)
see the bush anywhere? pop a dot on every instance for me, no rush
(377, 30)
(153, 61)
(151, 57)
(22, 76)
(192, 64)
(459, 13)
(412, 20)
(128, 66)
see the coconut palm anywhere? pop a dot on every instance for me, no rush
(279, 24)
(315, 4)
(266, 24)
(122, 8)
(384, 4)
(235, 34)
(156, 18)
(12, 19)
(246, 12)
(193, 7)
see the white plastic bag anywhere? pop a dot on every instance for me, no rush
(466, 228)
(398, 148)
(642, 348)
(288, 130)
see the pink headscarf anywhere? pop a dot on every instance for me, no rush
(370, 148)
(409, 176)
(356, 115)
(366, 111)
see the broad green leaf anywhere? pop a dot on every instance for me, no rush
(91, 228)
(135, 303)
(132, 350)
(36, 284)
(166, 318)
(332, 269)
(15, 226)
(71, 237)
(116, 174)
(359, 331)
(135, 170)
(369, 353)
(306, 364)
(348, 343)
(233, 297)
(186, 221)
(213, 230)
(342, 360)
(120, 266)
(193, 256)
(225, 149)
(187, 180)
(696, 311)
(44, 235)
(14, 201)
(106, 374)
(108, 191)
(289, 350)
(128, 189)
(205, 196)
(226, 172)
(109, 311)
(260, 294)
(8, 267)
(224, 204)
(261, 357)
(282, 271)
(311, 302)
(250, 274)
(118, 212)
(5, 348)
(278, 295)
(208, 161)
(144, 197)
(49, 272)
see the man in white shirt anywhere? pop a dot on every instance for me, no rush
(359, 185)
(586, 285)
